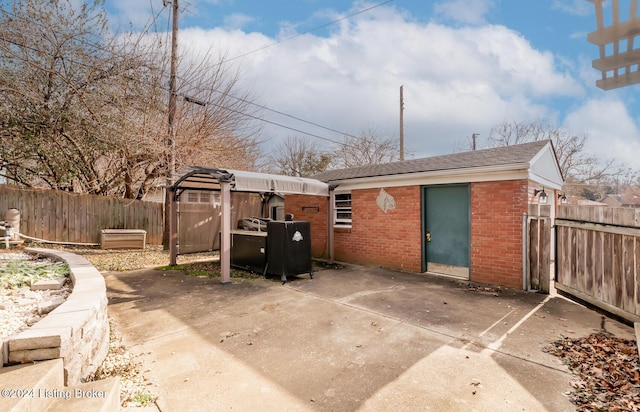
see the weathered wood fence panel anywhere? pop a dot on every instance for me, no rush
(67, 217)
(539, 248)
(598, 257)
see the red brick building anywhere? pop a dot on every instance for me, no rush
(459, 215)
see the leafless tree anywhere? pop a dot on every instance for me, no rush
(84, 111)
(368, 148)
(581, 170)
(299, 157)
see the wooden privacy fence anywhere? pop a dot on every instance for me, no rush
(598, 257)
(77, 218)
(539, 248)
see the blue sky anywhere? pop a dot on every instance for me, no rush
(466, 66)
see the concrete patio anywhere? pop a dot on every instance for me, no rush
(352, 339)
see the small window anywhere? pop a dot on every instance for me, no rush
(342, 210)
(192, 197)
(205, 197)
(212, 198)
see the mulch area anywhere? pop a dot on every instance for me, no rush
(607, 370)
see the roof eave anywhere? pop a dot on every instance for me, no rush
(479, 171)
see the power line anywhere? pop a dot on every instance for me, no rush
(281, 125)
(307, 32)
(204, 103)
(287, 115)
(98, 47)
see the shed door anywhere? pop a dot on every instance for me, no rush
(446, 229)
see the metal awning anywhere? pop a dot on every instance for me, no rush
(225, 181)
(204, 178)
(261, 182)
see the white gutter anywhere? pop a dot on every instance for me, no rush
(525, 249)
(225, 240)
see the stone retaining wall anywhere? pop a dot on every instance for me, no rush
(76, 331)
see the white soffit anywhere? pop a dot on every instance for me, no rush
(261, 182)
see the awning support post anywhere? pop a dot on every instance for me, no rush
(225, 241)
(173, 228)
(330, 223)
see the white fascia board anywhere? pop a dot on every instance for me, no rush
(480, 174)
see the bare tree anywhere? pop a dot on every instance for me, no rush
(581, 170)
(368, 148)
(84, 111)
(47, 111)
(299, 157)
(215, 126)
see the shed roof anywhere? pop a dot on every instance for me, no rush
(622, 200)
(518, 156)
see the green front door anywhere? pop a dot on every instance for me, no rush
(446, 229)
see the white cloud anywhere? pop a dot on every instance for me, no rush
(237, 20)
(464, 11)
(612, 132)
(137, 14)
(575, 7)
(456, 81)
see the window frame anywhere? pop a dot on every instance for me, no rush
(344, 207)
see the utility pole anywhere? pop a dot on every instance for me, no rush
(401, 124)
(473, 141)
(170, 216)
(171, 157)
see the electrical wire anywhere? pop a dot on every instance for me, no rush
(55, 242)
(146, 31)
(237, 111)
(283, 126)
(307, 32)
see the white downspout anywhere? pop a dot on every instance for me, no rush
(330, 222)
(525, 250)
(225, 241)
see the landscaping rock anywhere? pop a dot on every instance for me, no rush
(49, 284)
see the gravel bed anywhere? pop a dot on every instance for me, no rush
(20, 308)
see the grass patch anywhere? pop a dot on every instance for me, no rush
(174, 267)
(210, 269)
(143, 399)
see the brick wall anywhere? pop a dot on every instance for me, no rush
(496, 232)
(313, 209)
(393, 239)
(390, 239)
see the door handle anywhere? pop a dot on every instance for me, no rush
(428, 236)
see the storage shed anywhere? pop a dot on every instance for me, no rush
(462, 215)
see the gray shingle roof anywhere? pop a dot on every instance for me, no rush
(499, 156)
